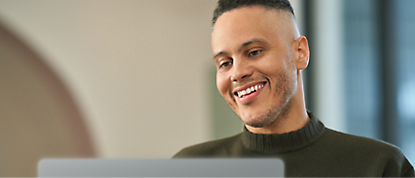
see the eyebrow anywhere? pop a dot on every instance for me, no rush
(219, 54)
(254, 40)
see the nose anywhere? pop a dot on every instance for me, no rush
(240, 70)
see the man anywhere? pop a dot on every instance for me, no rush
(259, 55)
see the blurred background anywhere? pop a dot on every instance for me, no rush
(135, 78)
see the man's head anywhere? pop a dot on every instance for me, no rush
(259, 54)
(228, 5)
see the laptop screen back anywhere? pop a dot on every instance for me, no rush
(161, 168)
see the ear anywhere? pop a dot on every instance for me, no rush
(301, 53)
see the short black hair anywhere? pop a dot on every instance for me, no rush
(228, 5)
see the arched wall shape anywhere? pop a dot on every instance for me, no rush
(38, 117)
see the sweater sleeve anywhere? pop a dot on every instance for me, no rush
(407, 169)
(398, 165)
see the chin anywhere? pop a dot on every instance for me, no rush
(259, 123)
(261, 120)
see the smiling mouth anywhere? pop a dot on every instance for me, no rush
(247, 91)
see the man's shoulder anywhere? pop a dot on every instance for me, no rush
(355, 151)
(355, 142)
(215, 148)
(367, 149)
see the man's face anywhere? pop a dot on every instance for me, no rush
(255, 71)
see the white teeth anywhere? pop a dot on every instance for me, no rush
(249, 90)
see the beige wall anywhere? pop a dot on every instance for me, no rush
(38, 116)
(137, 69)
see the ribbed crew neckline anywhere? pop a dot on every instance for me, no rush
(287, 142)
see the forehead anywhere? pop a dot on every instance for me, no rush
(237, 26)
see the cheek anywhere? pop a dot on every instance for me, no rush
(274, 65)
(269, 67)
(222, 84)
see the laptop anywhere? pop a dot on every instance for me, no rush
(161, 168)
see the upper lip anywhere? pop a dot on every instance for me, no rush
(237, 89)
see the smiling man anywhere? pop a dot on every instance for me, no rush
(259, 56)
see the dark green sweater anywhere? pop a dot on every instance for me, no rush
(313, 151)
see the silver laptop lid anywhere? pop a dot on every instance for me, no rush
(161, 168)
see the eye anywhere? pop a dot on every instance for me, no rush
(254, 53)
(225, 64)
